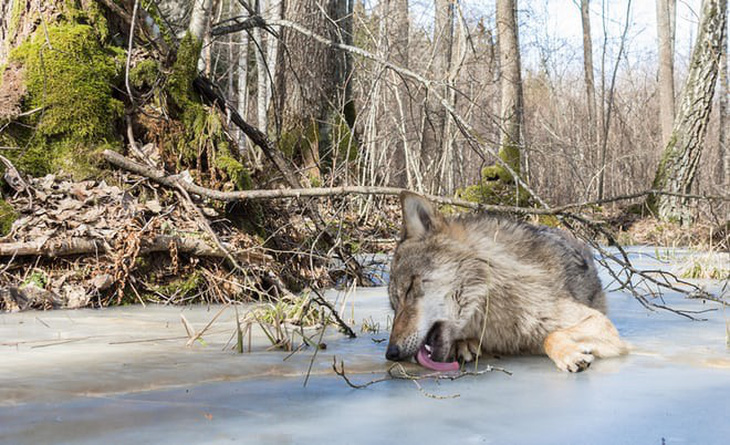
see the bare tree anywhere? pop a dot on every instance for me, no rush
(273, 12)
(666, 16)
(723, 118)
(511, 84)
(200, 19)
(588, 65)
(607, 97)
(242, 76)
(723, 122)
(434, 122)
(395, 31)
(262, 77)
(308, 90)
(678, 165)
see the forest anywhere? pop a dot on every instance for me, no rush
(166, 151)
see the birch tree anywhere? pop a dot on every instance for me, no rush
(242, 76)
(200, 18)
(273, 12)
(678, 165)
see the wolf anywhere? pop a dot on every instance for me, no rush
(469, 284)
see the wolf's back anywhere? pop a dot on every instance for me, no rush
(567, 259)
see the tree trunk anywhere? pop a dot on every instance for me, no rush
(724, 176)
(678, 165)
(396, 29)
(273, 12)
(588, 67)
(724, 164)
(307, 81)
(199, 18)
(665, 14)
(262, 82)
(242, 76)
(511, 84)
(6, 7)
(435, 115)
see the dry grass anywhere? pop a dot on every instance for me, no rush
(280, 320)
(710, 265)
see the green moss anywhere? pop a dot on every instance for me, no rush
(72, 80)
(185, 104)
(86, 12)
(8, 215)
(36, 278)
(295, 140)
(184, 71)
(235, 171)
(200, 142)
(494, 191)
(491, 173)
(496, 187)
(144, 74)
(15, 13)
(182, 287)
(548, 220)
(345, 139)
(660, 178)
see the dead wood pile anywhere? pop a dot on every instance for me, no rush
(90, 243)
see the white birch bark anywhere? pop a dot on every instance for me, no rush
(199, 19)
(273, 12)
(678, 166)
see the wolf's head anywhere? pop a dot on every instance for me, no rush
(432, 272)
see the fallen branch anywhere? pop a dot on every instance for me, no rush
(319, 299)
(396, 371)
(322, 192)
(562, 211)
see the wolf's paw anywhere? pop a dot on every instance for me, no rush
(576, 361)
(467, 350)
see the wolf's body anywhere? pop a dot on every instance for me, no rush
(538, 287)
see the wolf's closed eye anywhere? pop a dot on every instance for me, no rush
(409, 292)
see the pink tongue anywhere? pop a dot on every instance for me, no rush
(424, 358)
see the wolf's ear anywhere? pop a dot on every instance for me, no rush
(419, 216)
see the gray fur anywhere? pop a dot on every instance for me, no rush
(448, 272)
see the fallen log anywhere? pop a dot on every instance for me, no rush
(161, 243)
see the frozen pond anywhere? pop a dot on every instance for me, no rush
(125, 376)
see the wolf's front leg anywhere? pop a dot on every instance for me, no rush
(574, 348)
(467, 350)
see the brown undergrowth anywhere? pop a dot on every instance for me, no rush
(127, 241)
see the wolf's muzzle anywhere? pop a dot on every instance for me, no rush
(393, 352)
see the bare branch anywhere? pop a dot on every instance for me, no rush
(396, 371)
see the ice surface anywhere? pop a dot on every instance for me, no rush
(124, 375)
